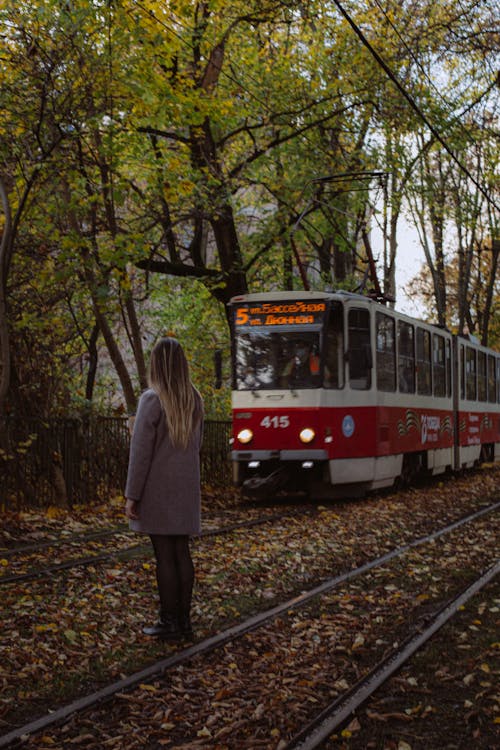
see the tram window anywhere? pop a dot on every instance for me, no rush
(481, 376)
(386, 353)
(470, 374)
(492, 381)
(359, 352)
(462, 372)
(424, 377)
(266, 360)
(498, 380)
(448, 367)
(334, 348)
(406, 357)
(438, 365)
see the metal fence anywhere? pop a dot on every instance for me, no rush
(72, 461)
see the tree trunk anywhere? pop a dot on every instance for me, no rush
(228, 247)
(111, 343)
(495, 254)
(93, 360)
(134, 331)
(5, 360)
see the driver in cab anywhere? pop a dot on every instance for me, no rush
(302, 369)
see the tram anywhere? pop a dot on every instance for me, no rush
(335, 394)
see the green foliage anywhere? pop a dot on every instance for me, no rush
(193, 136)
(190, 313)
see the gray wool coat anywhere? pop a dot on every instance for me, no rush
(162, 479)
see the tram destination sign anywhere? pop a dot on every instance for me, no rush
(286, 313)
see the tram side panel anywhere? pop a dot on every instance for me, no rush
(478, 404)
(371, 443)
(410, 426)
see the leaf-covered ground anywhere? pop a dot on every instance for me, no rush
(447, 696)
(66, 636)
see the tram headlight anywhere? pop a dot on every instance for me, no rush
(245, 436)
(307, 435)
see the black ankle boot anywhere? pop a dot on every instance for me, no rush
(166, 629)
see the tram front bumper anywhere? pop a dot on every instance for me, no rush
(262, 473)
(303, 454)
(260, 466)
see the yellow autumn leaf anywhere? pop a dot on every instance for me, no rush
(359, 641)
(52, 512)
(205, 732)
(44, 628)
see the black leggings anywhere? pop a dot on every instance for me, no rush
(174, 573)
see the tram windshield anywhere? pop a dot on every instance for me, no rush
(266, 360)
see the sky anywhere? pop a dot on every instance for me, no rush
(409, 259)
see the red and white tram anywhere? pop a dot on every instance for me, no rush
(337, 394)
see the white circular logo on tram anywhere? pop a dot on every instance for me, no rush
(348, 426)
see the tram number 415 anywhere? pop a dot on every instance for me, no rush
(276, 422)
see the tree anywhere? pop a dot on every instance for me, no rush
(459, 215)
(59, 60)
(226, 143)
(256, 95)
(438, 43)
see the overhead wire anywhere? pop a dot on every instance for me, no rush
(454, 118)
(437, 135)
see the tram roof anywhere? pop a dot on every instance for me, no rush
(343, 294)
(340, 294)
(299, 295)
(259, 296)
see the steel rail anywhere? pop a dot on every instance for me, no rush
(336, 713)
(123, 528)
(218, 640)
(61, 540)
(73, 539)
(140, 546)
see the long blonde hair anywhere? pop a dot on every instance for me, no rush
(169, 378)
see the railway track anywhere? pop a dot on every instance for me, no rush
(58, 539)
(312, 730)
(120, 534)
(25, 568)
(338, 711)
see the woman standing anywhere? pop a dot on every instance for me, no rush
(163, 482)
